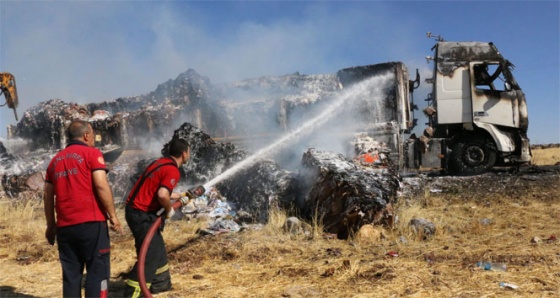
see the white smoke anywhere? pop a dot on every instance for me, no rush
(312, 129)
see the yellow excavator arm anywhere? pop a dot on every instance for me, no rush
(8, 88)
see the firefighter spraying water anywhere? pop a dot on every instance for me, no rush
(151, 197)
(152, 191)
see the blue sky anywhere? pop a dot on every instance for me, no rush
(91, 51)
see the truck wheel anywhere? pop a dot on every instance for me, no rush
(472, 155)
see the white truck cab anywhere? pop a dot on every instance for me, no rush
(477, 112)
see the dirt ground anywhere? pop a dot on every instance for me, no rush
(511, 217)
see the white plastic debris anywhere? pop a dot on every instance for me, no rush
(508, 285)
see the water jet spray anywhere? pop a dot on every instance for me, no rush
(374, 83)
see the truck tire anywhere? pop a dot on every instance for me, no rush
(472, 155)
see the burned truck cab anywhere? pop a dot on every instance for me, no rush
(477, 112)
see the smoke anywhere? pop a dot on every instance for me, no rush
(266, 108)
(19, 159)
(312, 132)
(15, 145)
(347, 113)
(90, 51)
(100, 50)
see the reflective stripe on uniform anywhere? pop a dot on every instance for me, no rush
(136, 285)
(162, 269)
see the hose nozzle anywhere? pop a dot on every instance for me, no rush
(191, 194)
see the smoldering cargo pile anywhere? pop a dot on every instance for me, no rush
(136, 127)
(344, 195)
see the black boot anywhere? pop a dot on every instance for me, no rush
(132, 290)
(161, 283)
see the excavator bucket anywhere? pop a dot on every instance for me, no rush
(8, 88)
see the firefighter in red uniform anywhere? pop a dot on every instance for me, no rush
(77, 188)
(152, 191)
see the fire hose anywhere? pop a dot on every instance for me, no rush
(186, 197)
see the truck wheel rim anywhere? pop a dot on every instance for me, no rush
(474, 155)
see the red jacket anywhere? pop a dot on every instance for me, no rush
(161, 173)
(70, 172)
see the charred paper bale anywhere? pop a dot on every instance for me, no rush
(43, 124)
(253, 189)
(151, 115)
(343, 196)
(259, 188)
(208, 157)
(14, 184)
(23, 173)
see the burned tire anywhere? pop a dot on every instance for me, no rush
(472, 155)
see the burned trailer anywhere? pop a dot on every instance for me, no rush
(377, 105)
(257, 111)
(388, 119)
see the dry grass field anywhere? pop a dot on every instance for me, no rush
(516, 228)
(546, 156)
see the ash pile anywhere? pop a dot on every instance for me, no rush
(22, 173)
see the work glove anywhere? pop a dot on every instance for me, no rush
(184, 200)
(170, 213)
